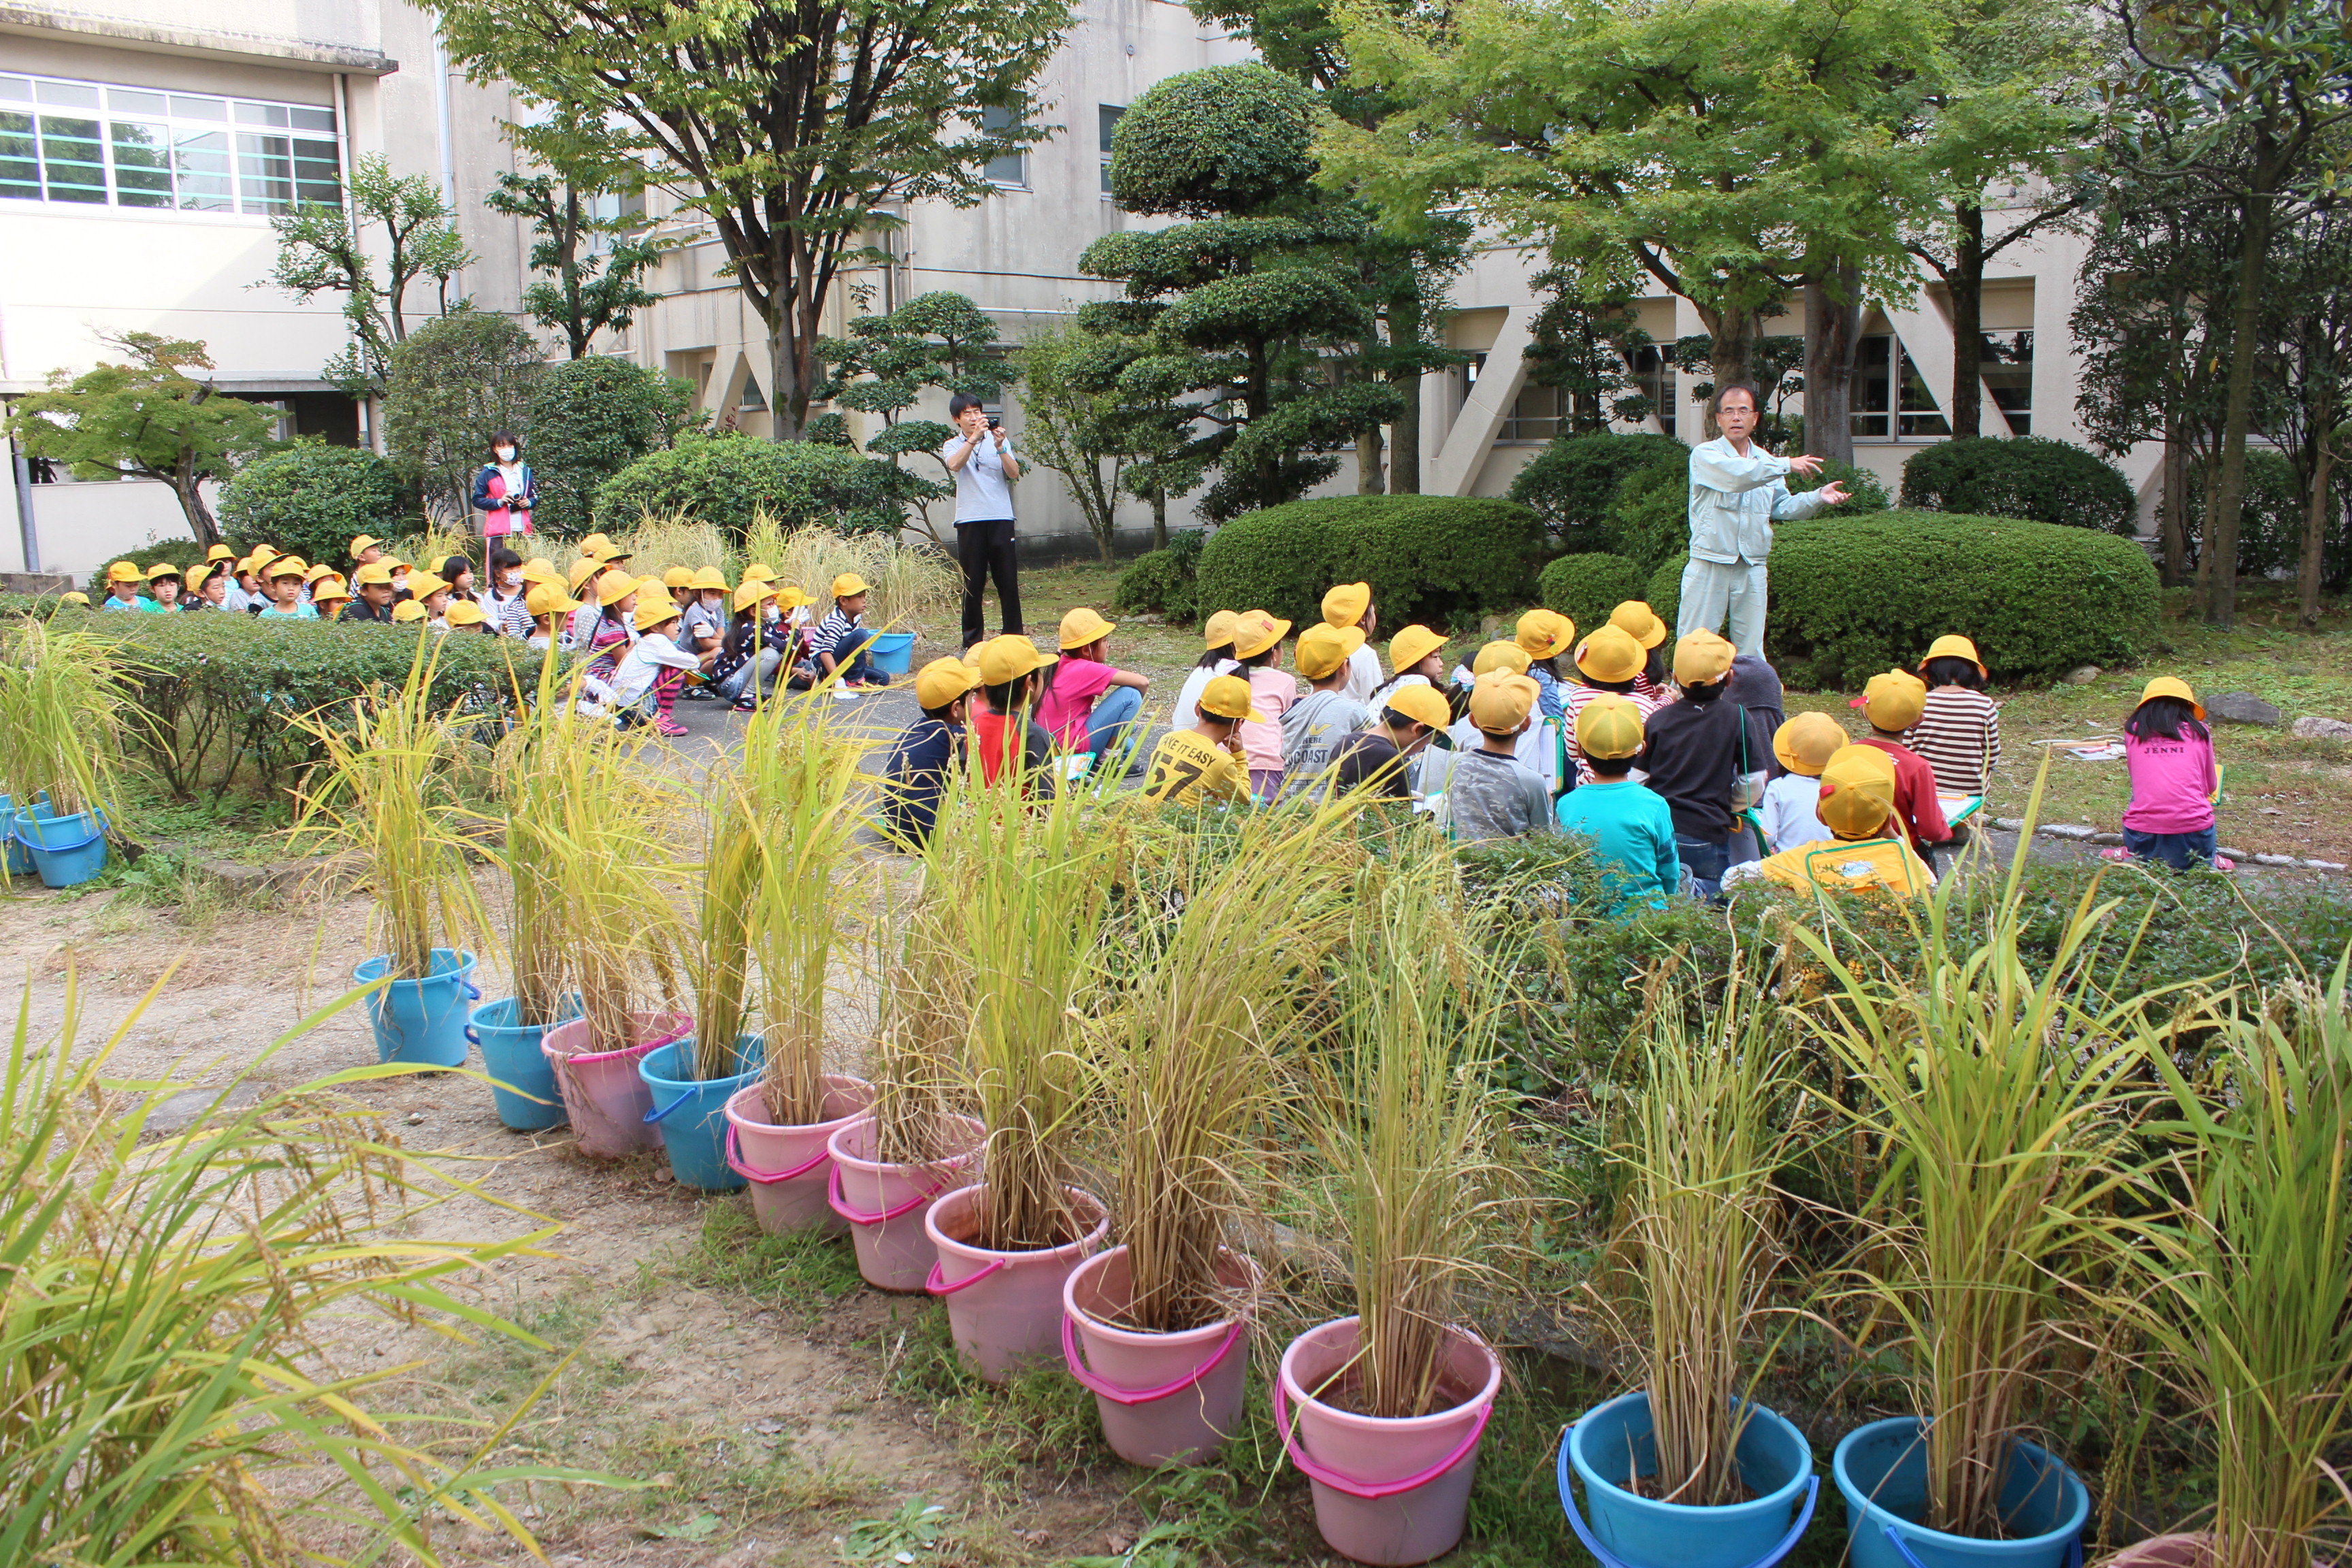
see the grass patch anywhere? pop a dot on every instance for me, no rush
(1041, 1418)
(801, 1274)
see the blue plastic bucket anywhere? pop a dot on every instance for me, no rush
(66, 850)
(18, 860)
(522, 1080)
(692, 1112)
(422, 1022)
(893, 653)
(1775, 1462)
(1882, 1468)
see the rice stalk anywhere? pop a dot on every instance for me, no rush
(530, 779)
(427, 546)
(915, 587)
(917, 1066)
(659, 541)
(733, 860)
(66, 709)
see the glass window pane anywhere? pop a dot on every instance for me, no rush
(261, 114)
(130, 102)
(1920, 414)
(1107, 114)
(264, 174)
(314, 119)
(1870, 397)
(1012, 168)
(66, 94)
(317, 178)
(201, 158)
(185, 108)
(16, 89)
(72, 163)
(20, 171)
(143, 164)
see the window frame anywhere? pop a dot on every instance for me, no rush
(216, 156)
(994, 120)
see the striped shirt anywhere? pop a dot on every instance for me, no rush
(1578, 698)
(833, 632)
(507, 611)
(1959, 733)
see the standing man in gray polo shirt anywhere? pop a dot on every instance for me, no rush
(981, 457)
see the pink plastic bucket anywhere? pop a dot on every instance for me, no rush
(1164, 1399)
(1004, 1308)
(2165, 1551)
(602, 1093)
(788, 1167)
(885, 1205)
(1387, 1491)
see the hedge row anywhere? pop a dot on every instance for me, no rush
(729, 480)
(2021, 476)
(1585, 588)
(1439, 560)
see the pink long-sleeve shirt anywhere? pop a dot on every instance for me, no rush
(2172, 785)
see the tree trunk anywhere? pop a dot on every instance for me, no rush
(187, 485)
(2174, 525)
(2238, 405)
(1404, 434)
(787, 398)
(1160, 517)
(1731, 355)
(1832, 332)
(1369, 447)
(2315, 535)
(2202, 595)
(1966, 283)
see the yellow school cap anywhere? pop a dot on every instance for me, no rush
(789, 598)
(1080, 627)
(847, 584)
(1950, 646)
(321, 570)
(424, 584)
(449, 565)
(364, 543)
(1638, 621)
(654, 612)
(1893, 700)
(762, 570)
(125, 572)
(539, 569)
(678, 577)
(286, 566)
(220, 553)
(1228, 697)
(1502, 700)
(708, 577)
(614, 587)
(1258, 632)
(1857, 791)
(2172, 686)
(1701, 658)
(1507, 657)
(1806, 743)
(334, 590)
(1542, 634)
(1611, 654)
(408, 610)
(465, 613)
(76, 597)
(944, 681)
(752, 592)
(1218, 632)
(1609, 726)
(198, 574)
(1345, 604)
(1324, 648)
(373, 571)
(608, 554)
(161, 570)
(548, 599)
(581, 570)
(1009, 657)
(1424, 705)
(330, 580)
(594, 542)
(1410, 647)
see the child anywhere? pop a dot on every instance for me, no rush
(1218, 660)
(1374, 761)
(329, 597)
(207, 588)
(679, 580)
(1631, 825)
(1637, 620)
(610, 634)
(243, 595)
(2169, 752)
(1611, 662)
(1536, 744)
(1959, 731)
(366, 551)
(837, 643)
(1326, 714)
(1693, 755)
(468, 615)
(1204, 764)
(373, 583)
(408, 612)
(1416, 657)
(1893, 702)
(703, 623)
(507, 599)
(550, 607)
(1490, 793)
(1858, 785)
(123, 582)
(653, 666)
(1069, 710)
(284, 575)
(1543, 636)
(1257, 648)
(1348, 607)
(458, 573)
(430, 590)
(747, 660)
(1008, 667)
(1804, 746)
(919, 761)
(163, 582)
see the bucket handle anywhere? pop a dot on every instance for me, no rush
(1367, 1490)
(735, 1156)
(1788, 1542)
(938, 1287)
(1903, 1548)
(1118, 1395)
(839, 1202)
(654, 1116)
(473, 1036)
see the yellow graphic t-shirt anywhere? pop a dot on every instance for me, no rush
(1187, 768)
(1887, 863)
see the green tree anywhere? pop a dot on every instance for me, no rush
(940, 340)
(1104, 444)
(313, 500)
(325, 250)
(456, 381)
(594, 268)
(2307, 323)
(1585, 346)
(149, 419)
(590, 419)
(795, 126)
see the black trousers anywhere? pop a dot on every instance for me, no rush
(984, 549)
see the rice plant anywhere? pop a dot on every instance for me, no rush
(915, 587)
(66, 710)
(531, 776)
(658, 541)
(173, 1392)
(429, 544)
(734, 857)
(917, 1066)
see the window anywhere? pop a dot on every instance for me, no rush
(1011, 170)
(1887, 387)
(1534, 415)
(1655, 376)
(2008, 373)
(130, 147)
(1107, 114)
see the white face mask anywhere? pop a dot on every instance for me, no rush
(507, 581)
(506, 453)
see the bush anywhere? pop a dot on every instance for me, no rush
(180, 552)
(2270, 526)
(1574, 483)
(1224, 138)
(314, 500)
(1665, 591)
(454, 382)
(1167, 582)
(1585, 588)
(590, 419)
(728, 481)
(2023, 475)
(1439, 560)
(1650, 521)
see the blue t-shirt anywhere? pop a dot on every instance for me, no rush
(918, 773)
(1635, 832)
(298, 612)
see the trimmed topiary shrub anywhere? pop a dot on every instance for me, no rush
(1664, 597)
(2022, 477)
(727, 480)
(1439, 560)
(589, 419)
(1585, 588)
(1573, 484)
(314, 500)
(1650, 518)
(1224, 138)
(1166, 582)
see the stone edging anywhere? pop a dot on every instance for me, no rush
(2080, 834)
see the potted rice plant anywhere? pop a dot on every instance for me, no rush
(65, 700)
(1688, 1471)
(386, 795)
(1029, 880)
(1193, 1064)
(801, 799)
(1385, 1411)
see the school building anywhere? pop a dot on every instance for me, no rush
(145, 145)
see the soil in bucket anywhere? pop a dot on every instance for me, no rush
(790, 1169)
(1004, 1308)
(604, 1095)
(884, 1205)
(1164, 1398)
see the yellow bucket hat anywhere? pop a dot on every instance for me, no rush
(1424, 705)
(847, 584)
(76, 597)
(1509, 656)
(710, 577)
(373, 571)
(465, 613)
(220, 553)
(614, 587)
(1857, 791)
(1502, 700)
(1080, 628)
(1323, 648)
(762, 570)
(1543, 633)
(1228, 697)
(548, 599)
(1345, 604)
(1611, 654)
(678, 577)
(654, 612)
(1258, 632)
(539, 569)
(2172, 686)
(1609, 727)
(1894, 700)
(581, 570)
(1806, 743)
(752, 592)
(1218, 631)
(424, 585)
(125, 572)
(198, 574)
(1951, 645)
(1638, 621)
(332, 591)
(364, 543)
(286, 566)
(161, 570)
(1701, 658)
(594, 543)
(944, 681)
(1011, 657)
(408, 610)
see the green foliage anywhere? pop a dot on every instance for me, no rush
(1650, 522)
(938, 340)
(727, 482)
(2023, 475)
(1439, 560)
(1228, 139)
(1573, 483)
(329, 250)
(585, 287)
(2269, 529)
(1586, 587)
(1167, 580)
(1664, 597)
(1079, 426)
(180, 552)
(588, 419)
(313, 500)
(1584, 341)
(454, 382)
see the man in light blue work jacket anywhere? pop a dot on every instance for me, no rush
(1737, 491)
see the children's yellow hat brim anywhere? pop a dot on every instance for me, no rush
(1410, 647)
(1611, 654)
(549, 599)
(1324, 648)
(1228, 697)
(1218, 631)
(581, 572)
(944, 681)
(1544, 633)
(1954, 647)
(752, 592)
(1081, 628)
(1258, 632)
(654, 612)
(1609, 727)
(1637, 620)
(614, 587)
(1806, 743)
(1424, 705)
(2172, 686)
(1011, 657)
(710, 577)
(849, 583)
(1345, 604)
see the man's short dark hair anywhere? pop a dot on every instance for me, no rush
(1755, 397)
(961, 401)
